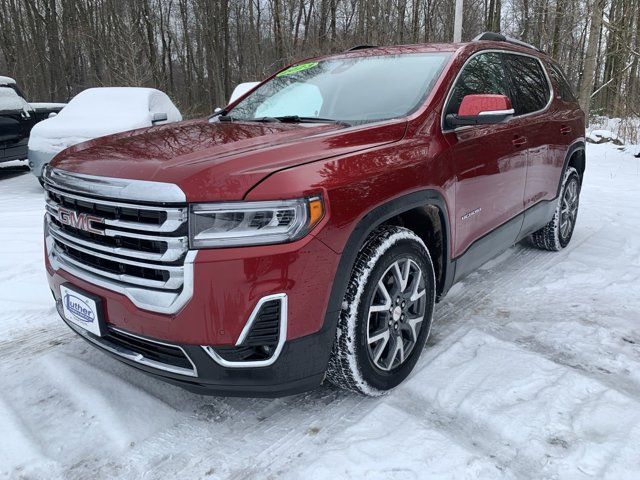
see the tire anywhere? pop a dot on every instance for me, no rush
(557, 234)
(364, 359)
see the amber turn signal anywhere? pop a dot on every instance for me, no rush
(316, 211)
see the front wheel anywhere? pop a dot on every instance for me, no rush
(386, 313)
(558, 232)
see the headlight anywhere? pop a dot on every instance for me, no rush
(233, 224)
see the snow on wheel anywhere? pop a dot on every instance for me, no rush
(386, 313)
(558, 232)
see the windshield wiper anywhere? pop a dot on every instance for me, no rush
(299, 119)
(224, 117)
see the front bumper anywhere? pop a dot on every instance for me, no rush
(300, 366)
(228, 285)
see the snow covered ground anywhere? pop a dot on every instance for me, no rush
(532, 371)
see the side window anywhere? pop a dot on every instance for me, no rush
(484, 73)
(564, 90)
(530, 86)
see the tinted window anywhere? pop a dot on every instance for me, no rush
(530, 86)
(564, 90)
(484, 73)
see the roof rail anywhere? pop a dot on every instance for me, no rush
(498, 37)
(360, 47)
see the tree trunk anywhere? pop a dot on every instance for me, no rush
(591, 56)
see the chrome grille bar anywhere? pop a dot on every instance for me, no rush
(140, 250)
(175, 273)
(175, 216)
(176, 246)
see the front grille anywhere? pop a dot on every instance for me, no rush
(110, 266)
(112, 212)
(131, 247)
(157, 352)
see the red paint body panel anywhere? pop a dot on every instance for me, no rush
(219, 161)
(477, 169)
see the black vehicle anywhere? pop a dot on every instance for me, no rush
(17, 118)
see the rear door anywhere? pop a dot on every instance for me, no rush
(532, 99)
(490, 167)
(566, 124)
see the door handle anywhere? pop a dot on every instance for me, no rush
(565, 130)
(519, 141)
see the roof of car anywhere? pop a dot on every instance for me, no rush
(470, 47)
(7, 80)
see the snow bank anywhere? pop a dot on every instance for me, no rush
(603, 136)
(97, 112)
(627, 130)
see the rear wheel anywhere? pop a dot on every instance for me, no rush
(386, 314)
(558, 232)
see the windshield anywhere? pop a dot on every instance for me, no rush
(353, 90)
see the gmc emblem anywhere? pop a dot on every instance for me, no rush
(81, 221)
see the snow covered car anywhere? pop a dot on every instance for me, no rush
(97, 112)
(17, 118)
(241, 90)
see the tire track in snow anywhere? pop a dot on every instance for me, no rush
(35, 341)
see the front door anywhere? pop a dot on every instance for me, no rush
(490, 164)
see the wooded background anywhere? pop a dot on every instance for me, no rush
(198, 50)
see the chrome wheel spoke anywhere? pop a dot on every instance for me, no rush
(387, 300)
(398, 351)
(382, 338)
(412, 323)
(382, 335)
(402, 274)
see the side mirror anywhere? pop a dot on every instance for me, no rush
(52, 114)
(483, 109)
(158, 117)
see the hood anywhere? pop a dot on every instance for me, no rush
(219, 161)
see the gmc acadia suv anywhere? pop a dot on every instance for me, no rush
(305, 232)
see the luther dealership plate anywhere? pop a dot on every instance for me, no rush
(82, 310)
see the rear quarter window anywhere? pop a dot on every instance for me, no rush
(529, 83)
(565, 91)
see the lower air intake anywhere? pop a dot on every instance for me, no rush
(262, 338)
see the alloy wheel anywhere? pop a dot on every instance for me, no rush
(396, 314)
(569, 209)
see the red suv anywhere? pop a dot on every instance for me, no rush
(305, 232)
